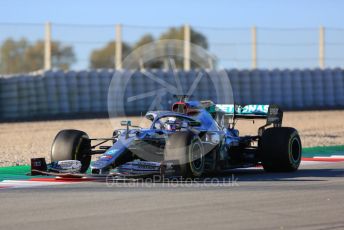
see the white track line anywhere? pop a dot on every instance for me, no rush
(27, 183)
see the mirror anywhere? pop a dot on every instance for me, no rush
(194, 123)
(125, 123)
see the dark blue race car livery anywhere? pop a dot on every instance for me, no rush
(193, 138)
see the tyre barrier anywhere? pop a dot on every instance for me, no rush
(62, 93)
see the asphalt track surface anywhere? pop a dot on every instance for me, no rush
(312, 198)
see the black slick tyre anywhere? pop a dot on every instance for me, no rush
(72, 144)
(280, 149)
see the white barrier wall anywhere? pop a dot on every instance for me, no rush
(61, 93)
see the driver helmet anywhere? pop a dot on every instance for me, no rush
(171, 124)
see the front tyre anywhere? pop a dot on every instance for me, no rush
(72, 144)
(280, 149)
(186, 149)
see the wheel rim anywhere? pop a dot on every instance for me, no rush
(295, 150)
(196, 157)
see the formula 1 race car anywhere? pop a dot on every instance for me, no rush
(194, 138)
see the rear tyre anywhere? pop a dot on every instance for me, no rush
(281, 149)
(186, 150)
(72, 145)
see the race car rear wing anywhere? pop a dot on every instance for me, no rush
(272, 113)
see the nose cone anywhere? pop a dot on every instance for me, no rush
(110, 156)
